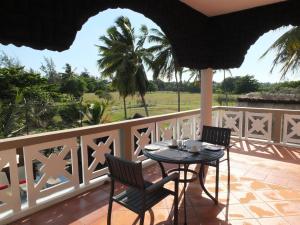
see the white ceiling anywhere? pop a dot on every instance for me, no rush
(219, 7)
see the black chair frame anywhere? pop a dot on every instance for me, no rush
(218, 136)
(140, 195)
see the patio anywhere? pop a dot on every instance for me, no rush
(264, 189)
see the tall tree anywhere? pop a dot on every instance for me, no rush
(165, 64)
(71, 83)
(122, 58)
(287, 48)
(224, 84)
(48, 68)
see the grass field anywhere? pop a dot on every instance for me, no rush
(158, 103)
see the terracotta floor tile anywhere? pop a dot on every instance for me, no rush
(246, 197)
(239, 186)
(223, 198)
(261, 210)
(269, 195)
(258, 185)
(202, 201)
(209, 213)
(292, 220)
(273, 221)
(161, 216)
(236, 212)
(281, 194)
(286, 208)
(244, 222)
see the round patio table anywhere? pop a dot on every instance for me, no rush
(162, 153)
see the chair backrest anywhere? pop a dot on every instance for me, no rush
(216, 135)
(126, 172)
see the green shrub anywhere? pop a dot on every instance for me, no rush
(70, 113)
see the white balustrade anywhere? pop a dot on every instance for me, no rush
(232, 120)
(186, 127)
(9, 194)
(46, 168)
(53, 169)
(141, 136)
(291, 129)
(166, 130)
(197, 126)
(258, 125)
(93, 148)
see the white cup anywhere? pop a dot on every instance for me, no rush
(194, 148)
(174, 142)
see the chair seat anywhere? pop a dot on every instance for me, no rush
(132, 199)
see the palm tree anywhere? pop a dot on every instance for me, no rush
(121, 59)
(287, 48)
(224, 84)
(165, 64)
(195, 75)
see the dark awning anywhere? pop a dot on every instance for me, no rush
(199, 41)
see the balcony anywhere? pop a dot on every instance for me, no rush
(65, 178)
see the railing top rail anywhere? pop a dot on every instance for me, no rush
(252, 109)
(17, 142)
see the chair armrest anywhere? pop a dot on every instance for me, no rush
(162, 182)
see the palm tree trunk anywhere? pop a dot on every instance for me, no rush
(145, 105)
(178, 91)
(124, 105)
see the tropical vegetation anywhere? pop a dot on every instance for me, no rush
(287, 50)
(122, 58)
(51, 99)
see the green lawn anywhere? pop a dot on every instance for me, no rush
(159, 103)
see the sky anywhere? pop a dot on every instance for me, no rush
(83, 53)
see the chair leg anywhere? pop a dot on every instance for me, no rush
(176, 203)
(109, 212)
(112, 187)
(228, 171)
(228, 168)
(217, 181)
(142, 217)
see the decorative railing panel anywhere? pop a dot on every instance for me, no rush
(141, 136)
(291, 129)
(186, 127)
(197, 127)
(166, 130)
(50, 167)
(258, 125)
(9, 191)
(94, 147)
(232, 120)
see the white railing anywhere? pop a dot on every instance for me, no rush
(278, 126)
(43, 169)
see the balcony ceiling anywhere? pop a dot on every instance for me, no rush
(204, 34)
(220, 7)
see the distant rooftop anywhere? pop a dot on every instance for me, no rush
(270, 98)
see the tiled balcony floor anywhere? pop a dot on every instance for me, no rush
(264, 189)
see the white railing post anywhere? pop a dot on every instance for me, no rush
(9, 196)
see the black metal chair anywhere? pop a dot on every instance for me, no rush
(218, 136)
(140, 195)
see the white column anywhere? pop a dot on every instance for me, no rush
(206, 96)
